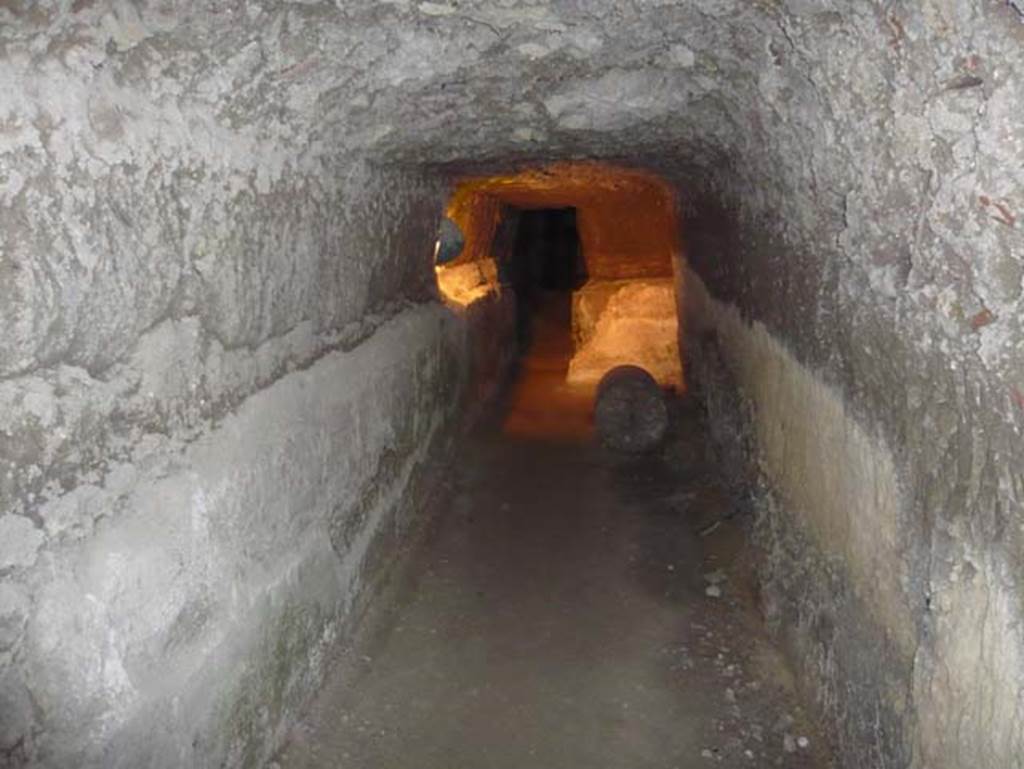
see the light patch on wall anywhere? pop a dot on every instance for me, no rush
(464, 284)
(966, 681)
(465, 268)
(626, 322)
(838, 481)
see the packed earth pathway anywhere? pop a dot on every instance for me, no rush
(568, 608)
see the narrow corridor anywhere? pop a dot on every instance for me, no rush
(558, 613)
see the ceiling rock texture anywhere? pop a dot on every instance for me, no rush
(216, 226)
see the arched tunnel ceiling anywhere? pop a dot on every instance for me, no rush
(871, 130)
(458, 80)
(464, 81)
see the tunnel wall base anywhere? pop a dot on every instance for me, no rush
(826, 524)
(913, 659)
(192, 627)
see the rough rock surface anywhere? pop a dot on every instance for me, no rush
(204, 201)
(625, 322)
(627, 219)
(629, 410)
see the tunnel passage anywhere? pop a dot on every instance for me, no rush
(623, 299)
(225, 376)
(545, 265)
(547, 254)
(559, 615)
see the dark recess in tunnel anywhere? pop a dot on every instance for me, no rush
(546, 263)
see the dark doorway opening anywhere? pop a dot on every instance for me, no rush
(546, 266)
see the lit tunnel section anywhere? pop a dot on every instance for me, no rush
(623, 310)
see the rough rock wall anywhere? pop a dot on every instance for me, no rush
(852, 176)
(223, 378)
(625, 322)
(833, 573)
(626, 218)
(182, 614)
(875, 287)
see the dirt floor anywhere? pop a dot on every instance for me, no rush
(569, 608)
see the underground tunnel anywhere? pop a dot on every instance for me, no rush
(304, 309)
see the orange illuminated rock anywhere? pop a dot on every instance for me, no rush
(626, 322)
(629, 235)
(627, 218)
